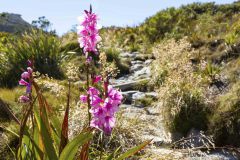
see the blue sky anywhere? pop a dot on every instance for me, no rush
(63, 13)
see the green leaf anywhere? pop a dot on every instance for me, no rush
(38, 149)
(111, 156)
(46, 137)
(13, 153)
(64, 132)
(56, 124)
(71, 149)
(133, 150)
(10, 131)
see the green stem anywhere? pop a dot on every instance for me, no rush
(101, 146)
(88, 96)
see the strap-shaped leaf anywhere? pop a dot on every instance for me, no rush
(46, 137)
(71, 149)
(133, 150)
(111, 156)
(64, 131)
(10, 131)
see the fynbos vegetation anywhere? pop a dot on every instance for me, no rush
(169, 88)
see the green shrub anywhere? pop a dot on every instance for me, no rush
(187, 111)
(225, 120)
(210, 72)
(144, 86)
(42, 48)
(207, 20)
(146, 101)
(5, 38)
(160, 78)
(113, 56)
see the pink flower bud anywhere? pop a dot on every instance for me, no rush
(23, 82)
(24, 99)
(30, 70)
(25, 75)
(97, 79)
(93, 91)
(30, 64)
(88, 32)
(83, 98)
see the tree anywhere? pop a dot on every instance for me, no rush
(44, 24)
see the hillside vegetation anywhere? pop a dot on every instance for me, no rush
(196, 68)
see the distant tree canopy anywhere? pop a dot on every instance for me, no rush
(44, 24)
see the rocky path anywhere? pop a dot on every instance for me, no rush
(146, 115)
(149, 119)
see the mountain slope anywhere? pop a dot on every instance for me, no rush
(12, 23)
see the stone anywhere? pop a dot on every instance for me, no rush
(141, 57)
(129, 85)
(136, 62)
(156, 141)
(125, 86)
(136, 67)
(152, 94)
(128, 96)
(138, 95)
(144, 71)
(148, 62)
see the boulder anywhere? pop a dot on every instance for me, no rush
(128, 96)
(128, 85)
(138, 95)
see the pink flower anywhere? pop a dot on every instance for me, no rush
(25, 75)
(97, 79)
(83, 98)
(98, 112)
(109, 123)
(93, 91)
(109, 106)
(95, 101)
(95, 123)
(24, 99)
(30, 70)
(105, 123)
(115, 95)
(103, 111)
(89, 59)
(29, 62)
(88, 32)
(23, 82)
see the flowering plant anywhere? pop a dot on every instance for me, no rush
(102, 109)
(41, 137)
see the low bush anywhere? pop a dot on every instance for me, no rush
(113, 56)
(187, 110)
(225, 120)
(145, 102)
(144, 86)
(42, 48)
